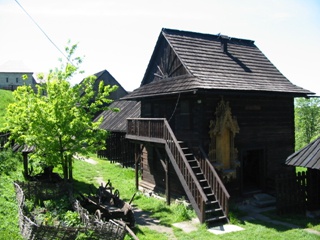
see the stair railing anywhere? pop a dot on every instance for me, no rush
(198, 197)
(160, 128)
(214, 181)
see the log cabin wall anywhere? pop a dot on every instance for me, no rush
(265, 139)
(153, 173)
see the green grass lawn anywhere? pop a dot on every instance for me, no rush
(123, 179)
(87, 176)
(6, 98)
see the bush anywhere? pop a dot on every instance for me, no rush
(9, 162)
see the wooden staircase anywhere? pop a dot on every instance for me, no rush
(213, 210)
(198, 177)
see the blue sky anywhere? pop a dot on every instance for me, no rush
(120, 35)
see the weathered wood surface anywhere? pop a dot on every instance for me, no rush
(160, 129)
(108, 205)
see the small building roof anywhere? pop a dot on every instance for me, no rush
(108, 79)
(210, 62)
(14, 66)
(308, 157)
(117, 121)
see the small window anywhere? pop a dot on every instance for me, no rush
(7, 79)
(17, 80)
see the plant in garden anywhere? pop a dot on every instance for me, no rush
(57, 118)
(8, 162)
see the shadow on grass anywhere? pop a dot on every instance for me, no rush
(270, 225)
(300, 220)
(83, 188)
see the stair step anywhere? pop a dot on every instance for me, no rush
(216, 218)
(213, 210)
(192, 161)
(211, 202)
(195, 167)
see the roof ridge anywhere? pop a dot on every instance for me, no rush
(206, 35)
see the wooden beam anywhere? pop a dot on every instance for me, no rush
(137, 157)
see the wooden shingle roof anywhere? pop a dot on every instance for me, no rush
(308, 157)
(213, 62)
(117, 121)
(108, 79)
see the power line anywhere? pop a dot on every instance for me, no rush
(43, 31)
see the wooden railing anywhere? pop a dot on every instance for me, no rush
(160, 128)
(214, 181)
(4, 138)
(146, 127)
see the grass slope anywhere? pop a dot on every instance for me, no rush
(6, 98)
(88, 176)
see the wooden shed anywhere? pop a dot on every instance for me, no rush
(309, 157)
(108, 79)
(118, 148)
(217, 119)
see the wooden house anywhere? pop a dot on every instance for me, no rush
(217, 119)
(309, 157)
(108, 79)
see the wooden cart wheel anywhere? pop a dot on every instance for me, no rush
(117, 193)
(97, 215)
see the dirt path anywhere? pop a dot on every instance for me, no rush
(143, 219)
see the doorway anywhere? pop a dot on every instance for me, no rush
(253, 170)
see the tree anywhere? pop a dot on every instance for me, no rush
(57, 119)
(307, 120)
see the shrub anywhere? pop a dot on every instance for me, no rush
(8, 162)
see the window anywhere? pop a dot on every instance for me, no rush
(17, 80)
(7, 79)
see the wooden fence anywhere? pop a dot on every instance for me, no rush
(31, 230)
(291, 190)
(118, 149)
(4, 138)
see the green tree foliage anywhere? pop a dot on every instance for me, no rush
(57, 119)
(307, 120)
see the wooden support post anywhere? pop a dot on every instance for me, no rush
(165, 164)
(168, 192)
(136, 160)
(25, 164)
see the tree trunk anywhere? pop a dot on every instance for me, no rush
(65, 169)
(70, 168)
